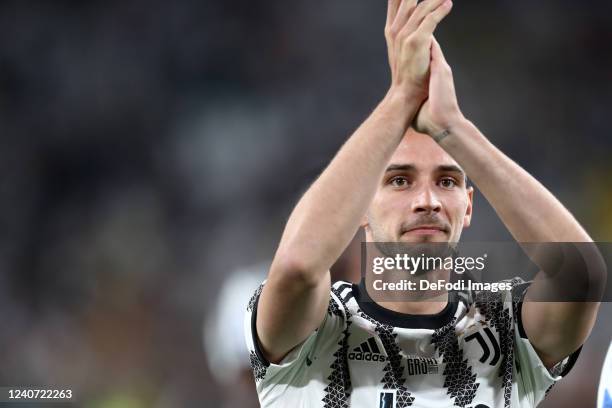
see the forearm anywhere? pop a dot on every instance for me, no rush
(529, 211)
(532, 214)
(328, 215)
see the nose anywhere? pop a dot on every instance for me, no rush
(426, 201)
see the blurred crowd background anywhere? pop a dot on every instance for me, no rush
(151, 152)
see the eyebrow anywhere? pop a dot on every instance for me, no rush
(400, 167)
(451, 168)
(443, 168)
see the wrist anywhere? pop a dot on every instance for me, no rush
(403, 103)
(456, 133)
(450, 127)
(408, 97)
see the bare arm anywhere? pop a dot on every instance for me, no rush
(294, 300)
(532, 214)
(529, 211)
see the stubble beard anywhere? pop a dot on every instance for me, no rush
(392, 247)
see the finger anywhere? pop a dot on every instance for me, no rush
(431, 21)
(423, 10)
(403, 14)
(392, 7)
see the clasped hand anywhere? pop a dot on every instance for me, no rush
(418, 67)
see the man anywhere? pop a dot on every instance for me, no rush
(314, 345)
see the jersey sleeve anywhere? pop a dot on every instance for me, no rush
(535, 379)
(293, 368)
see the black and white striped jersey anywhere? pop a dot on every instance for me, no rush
(474, 354)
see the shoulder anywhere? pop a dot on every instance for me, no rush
(502, 307)
(342, 290)
(504, 291)
(340, 294)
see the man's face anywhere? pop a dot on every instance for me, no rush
(422, 197)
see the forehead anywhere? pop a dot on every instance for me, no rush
(421, 151)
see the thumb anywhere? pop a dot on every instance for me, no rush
(437, 57)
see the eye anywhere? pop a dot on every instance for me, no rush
(399, 182)
(448, 182)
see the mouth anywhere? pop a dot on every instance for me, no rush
(426, 230)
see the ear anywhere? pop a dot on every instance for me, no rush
(467, 219)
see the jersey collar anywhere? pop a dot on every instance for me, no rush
(404, 320)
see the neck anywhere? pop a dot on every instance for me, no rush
(424, 307)
(413, 302)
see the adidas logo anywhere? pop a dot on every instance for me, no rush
(367, 351)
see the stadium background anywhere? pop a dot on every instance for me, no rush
(152, 149)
